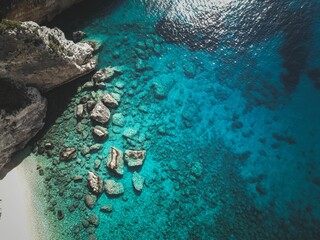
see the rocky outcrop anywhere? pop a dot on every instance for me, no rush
(22, 113)
(41, 57)
(34, 10)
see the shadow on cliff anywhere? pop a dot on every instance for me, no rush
(82, 14)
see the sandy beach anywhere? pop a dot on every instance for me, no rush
(22, 217)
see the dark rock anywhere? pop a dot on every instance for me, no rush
(60, 214)
(115, 160)
(106, 209)
(134, 158)
(90, 105)
(48, 145)
(94, 220)
(78, 36)
(67, 154)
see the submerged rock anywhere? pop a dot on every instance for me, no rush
(137, 181)
(106, 74)
(42, 57)
(100, 132)
(118, 120)
(113, 188)
(95, 183)
(77, 36)
(96, 148)
(115, 160)
(100, 113)
(67, 154)
(106, 209)
(135, 158)
(109, 101)
(90, 200)
(21, 117)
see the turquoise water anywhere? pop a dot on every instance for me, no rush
(223, 97)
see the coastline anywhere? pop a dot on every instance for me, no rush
(22, 211)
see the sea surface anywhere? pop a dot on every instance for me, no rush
(224, 96)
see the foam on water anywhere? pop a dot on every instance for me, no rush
(232, 143)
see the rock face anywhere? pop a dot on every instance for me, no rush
(41, 57)
(134, 158)
(95, 183)
(37, 11)
(113, 188)
(22, 111)
(115, 160)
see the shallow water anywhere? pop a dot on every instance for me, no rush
(223, 95)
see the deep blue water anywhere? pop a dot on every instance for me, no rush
(224, 96)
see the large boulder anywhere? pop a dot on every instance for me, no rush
(66, 154)
(22, 113)
(115, 160)
(135, 158)
(40, 56)
(38, 11)
(100, 113)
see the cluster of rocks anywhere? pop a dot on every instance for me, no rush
(115, 163)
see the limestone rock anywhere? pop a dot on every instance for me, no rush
(21, 117)
(105, 74)
(38, 11)
(90, 200)
(67, 154)
(80, 111)
(95, 183)
(113, 188)
(100, 132)
(42, 57)
(137, 181)
(115, 160)
(109, 101)
(100, 113)
(135, 158)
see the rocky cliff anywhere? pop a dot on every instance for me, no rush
(33, 10)
(23, 110)
(33, 58)
(41, 57)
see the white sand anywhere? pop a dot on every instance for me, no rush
(22, 217)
